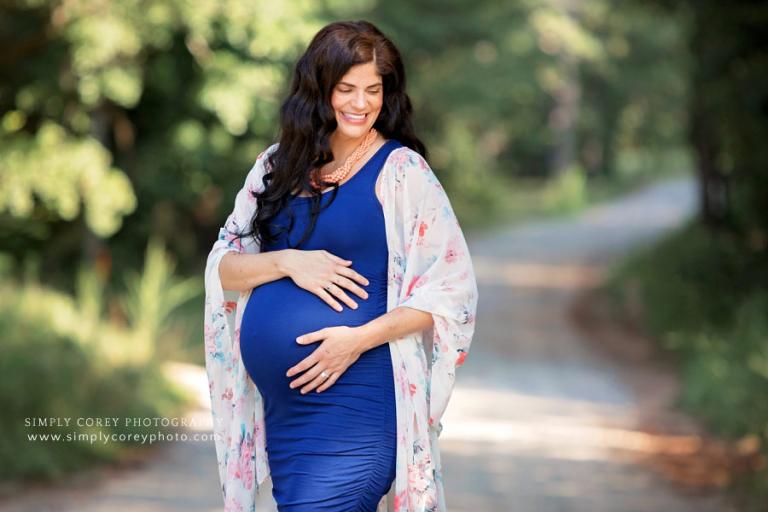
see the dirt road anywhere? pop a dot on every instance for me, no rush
(545, 418)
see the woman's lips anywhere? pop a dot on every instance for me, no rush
(354, 120)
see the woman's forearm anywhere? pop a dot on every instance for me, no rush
(241, 271)
(399, 322)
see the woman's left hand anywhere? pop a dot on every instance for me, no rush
(340, 348)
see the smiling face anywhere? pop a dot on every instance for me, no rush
(357, 100)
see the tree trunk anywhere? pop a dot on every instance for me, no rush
(562, 119)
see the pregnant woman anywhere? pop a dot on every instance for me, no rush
(357, 297)
(347, 434)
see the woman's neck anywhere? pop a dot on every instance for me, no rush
(343, 146)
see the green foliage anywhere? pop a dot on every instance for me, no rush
(151, 298)
(729, 374)
(498, 68)
(59, 170)
(568, 191)
(89, 301)
(705, 296)
(61, 357)
(51, 367)
(638, 165)
(181, 97)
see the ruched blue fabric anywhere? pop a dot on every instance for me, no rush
(335, 450)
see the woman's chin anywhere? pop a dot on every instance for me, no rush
(353, 132)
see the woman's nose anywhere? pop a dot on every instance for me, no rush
(359, 101)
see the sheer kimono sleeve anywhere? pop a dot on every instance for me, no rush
(237, 222)
(438, 279)
(232, 399)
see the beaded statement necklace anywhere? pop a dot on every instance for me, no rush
(341, 172)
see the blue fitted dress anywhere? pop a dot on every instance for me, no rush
(333, 450)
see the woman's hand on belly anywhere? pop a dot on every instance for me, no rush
(339, 348)
(324, 274)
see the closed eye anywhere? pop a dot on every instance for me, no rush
(374, 88)
(372, 91)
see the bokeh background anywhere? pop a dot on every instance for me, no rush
(607, 161)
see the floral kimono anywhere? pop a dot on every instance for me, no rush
(429, 269)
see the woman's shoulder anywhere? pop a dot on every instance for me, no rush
(409, 172)
(407, 162)
(404, 157)
(261, 158)
(268, 151)
(259, 168)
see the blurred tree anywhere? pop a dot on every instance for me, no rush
(168, 103)
(542, 85)
(171, 91)
(728, 111)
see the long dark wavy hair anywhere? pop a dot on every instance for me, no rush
(307, 118)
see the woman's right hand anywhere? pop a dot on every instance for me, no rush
(314, 270)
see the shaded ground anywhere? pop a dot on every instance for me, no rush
(558, 407)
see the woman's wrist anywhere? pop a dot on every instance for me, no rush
(282, 259)
(366, 336)
(394, 324)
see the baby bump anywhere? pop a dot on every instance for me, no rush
(278, 312)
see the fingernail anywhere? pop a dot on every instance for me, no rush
(354, 307)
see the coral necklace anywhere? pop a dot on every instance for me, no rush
(341, 173)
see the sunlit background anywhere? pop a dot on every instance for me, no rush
(608, 164)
